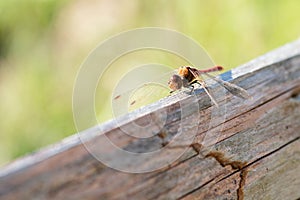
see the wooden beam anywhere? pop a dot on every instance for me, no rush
(241, 150)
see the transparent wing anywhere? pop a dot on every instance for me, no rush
(142, 95)
(232, 88)
(147, 94)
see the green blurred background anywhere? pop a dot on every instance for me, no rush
(44, 42)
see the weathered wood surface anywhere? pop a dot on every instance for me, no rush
(248, 150)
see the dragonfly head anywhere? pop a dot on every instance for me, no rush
(176, 82)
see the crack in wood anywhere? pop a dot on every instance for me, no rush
(223, 161)
(235, 165)
(241, 166)
(220, 157)
(240, 190)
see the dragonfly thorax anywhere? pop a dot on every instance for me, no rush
(184, 72)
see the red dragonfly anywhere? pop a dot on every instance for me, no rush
(186, 77)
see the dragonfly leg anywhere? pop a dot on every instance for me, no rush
(192, 89)
(204, 86)
(191, 85)
(201, 83)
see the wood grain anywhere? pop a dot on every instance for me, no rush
(242, 150)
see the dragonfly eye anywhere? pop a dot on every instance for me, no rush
(175, 82)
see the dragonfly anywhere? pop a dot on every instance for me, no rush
(185, 77)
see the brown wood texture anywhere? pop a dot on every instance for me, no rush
(241, 150)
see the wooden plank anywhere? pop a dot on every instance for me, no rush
(262, 179)
(244, 147)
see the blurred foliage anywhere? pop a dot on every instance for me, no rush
(43, 43)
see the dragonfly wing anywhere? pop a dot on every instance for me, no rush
(138, 96)
(146, 95)
(232, 88)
